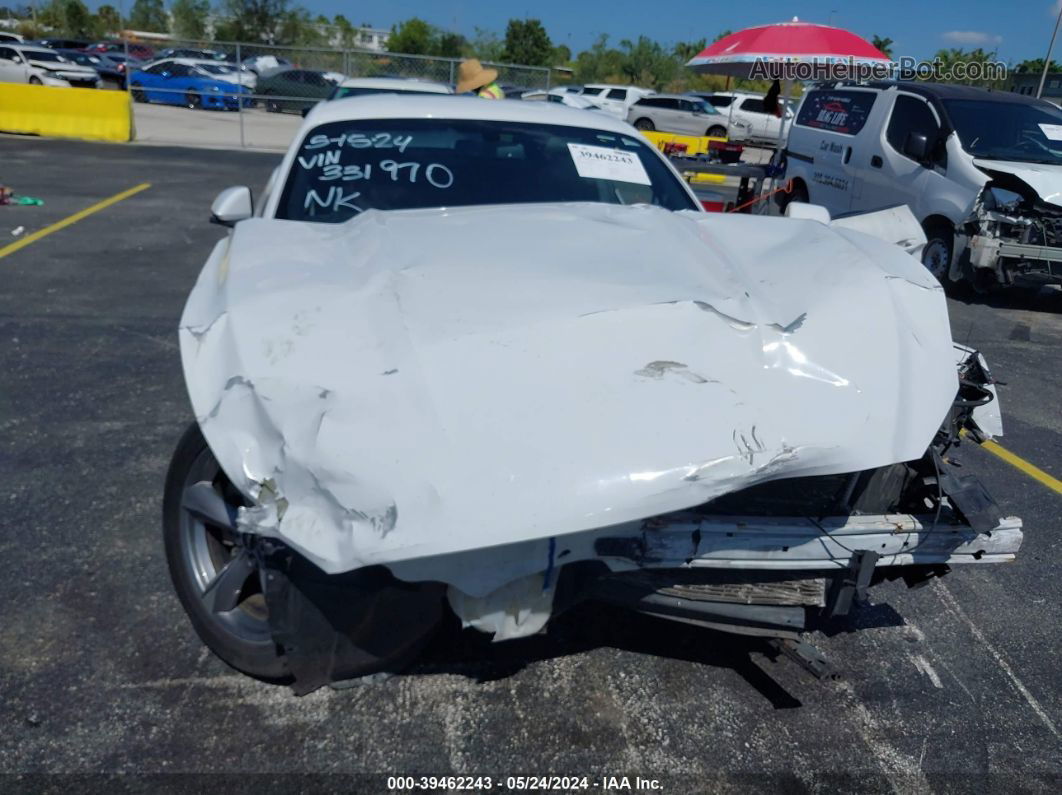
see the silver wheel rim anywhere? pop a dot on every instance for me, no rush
(935, 257)
(222, 570)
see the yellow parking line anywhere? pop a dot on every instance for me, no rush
(1020, 463)
(11, 248)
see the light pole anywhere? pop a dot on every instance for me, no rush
(1047, 60)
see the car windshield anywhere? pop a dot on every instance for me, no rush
(1007, 130)
(343, 168)
(44, 55)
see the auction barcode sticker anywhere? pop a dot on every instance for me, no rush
(601, 162)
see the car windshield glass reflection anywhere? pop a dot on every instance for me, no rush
(344, 168)
(1008, 130)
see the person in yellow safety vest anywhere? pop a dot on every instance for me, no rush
(472, 77)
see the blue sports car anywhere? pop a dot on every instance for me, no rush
(175, 83)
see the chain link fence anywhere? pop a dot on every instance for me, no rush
(267, 87)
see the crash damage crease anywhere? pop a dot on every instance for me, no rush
(545, 391)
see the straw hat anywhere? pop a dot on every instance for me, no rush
(471, 75)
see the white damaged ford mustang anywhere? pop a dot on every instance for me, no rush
(491, 359)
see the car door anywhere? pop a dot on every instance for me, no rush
(182, 81)
(154, 79)
(892, 175)
(12, 66)
(690, 120)
(763, 126)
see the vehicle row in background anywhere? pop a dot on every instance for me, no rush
(22, 63)
(193, 84)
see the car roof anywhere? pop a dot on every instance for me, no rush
(397, 83)
(948, 91)
(669, 96)
(615, 85)
(30, 48)
(426, 106)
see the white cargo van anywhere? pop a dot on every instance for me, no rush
(981, 171)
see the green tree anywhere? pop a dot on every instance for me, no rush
(684, 50)
(298, 27)
(252, 20)
(561, 55)
(414, 36)
(526, 42)
(946, 60)
(1035, 66)
(599, 63)
(108, 19)
(883, 44)
(646, 63)
(70, 18)
(345, 33)
(449, 45)
(486, 45)
(149, 15)
(188, 18)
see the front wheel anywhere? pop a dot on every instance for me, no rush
(35, 81)
(936, 256)
(383, 623)
(645, 124)
(138, 94)
(717, 132)
(193, 101)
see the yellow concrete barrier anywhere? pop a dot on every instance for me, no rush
(695, 145)
(89, 113)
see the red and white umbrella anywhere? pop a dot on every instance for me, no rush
(793, 42)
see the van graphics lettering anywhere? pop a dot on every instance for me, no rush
(830, 150)
(837, 111)
(830, 181)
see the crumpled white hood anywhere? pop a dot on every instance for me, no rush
(1043, 178)
(414, 383)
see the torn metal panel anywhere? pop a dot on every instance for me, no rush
(411, 385)
(895, 225)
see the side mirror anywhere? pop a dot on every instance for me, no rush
(231, 206)
(916, 147)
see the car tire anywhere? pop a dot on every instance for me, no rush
(138, 93)
(386, 622)
(717, 131)
(799, 193)
(193, 101)
(645, 124)
(938, 251)
(35, 81)
(271, 105)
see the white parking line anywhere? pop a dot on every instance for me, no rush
(952, 605)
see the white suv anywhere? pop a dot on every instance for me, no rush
(613, 99)
(746, 107)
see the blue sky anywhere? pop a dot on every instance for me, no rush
(1018, 30)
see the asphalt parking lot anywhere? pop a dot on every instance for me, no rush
(953, 687)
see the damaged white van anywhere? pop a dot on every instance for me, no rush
(981, 171)
(491, 359)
